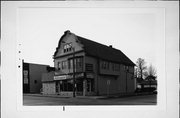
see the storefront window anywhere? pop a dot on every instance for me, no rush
(70, 85)
(66, 85)
(79, 85)
(90, 85)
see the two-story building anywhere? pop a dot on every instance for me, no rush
(97, 69)
(32, 74)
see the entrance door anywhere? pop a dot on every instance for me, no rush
(57, 87)
(90, 85)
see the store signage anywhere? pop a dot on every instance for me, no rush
(63, 77)
(60, 77)
(25, 73)
(76, 75)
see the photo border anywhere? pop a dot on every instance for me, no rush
(12, 7)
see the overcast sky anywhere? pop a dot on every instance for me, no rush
(129, 30)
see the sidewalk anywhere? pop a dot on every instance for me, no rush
(81, 97)
(41, 95)
(58, 96)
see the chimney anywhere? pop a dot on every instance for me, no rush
(110, 46)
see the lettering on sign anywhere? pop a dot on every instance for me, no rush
(25, 80)
(25, 73)
(60, 77)
(63, 77)
(76, 75)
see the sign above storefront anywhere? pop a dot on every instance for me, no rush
(76, 75)
(62, 77)
(25, 72)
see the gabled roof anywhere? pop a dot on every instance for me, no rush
(60, 42)
(101, 51)
(104, 52)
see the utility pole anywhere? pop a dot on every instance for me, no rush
(126, 69)
(74, 87)
(126, 81)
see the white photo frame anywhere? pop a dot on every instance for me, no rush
(167, 58)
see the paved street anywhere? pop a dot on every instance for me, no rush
(31, 100)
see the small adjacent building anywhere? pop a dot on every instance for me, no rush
(98, 69)
(149, 84)
(32, 74)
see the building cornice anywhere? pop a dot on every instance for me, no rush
(68, 54)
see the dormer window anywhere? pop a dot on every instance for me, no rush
(67, 47)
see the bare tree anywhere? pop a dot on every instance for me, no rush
(151, 71)
(141, 67)
(135, 72)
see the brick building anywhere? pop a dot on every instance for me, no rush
(32, 74)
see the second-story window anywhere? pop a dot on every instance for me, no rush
(67, 47)
(89, 67)
(79, 63)
(70, 64)
(59, 65)
(116, 67)
(105, 65)
(64, 64)
(126, 68)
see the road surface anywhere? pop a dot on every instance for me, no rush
(30, 100)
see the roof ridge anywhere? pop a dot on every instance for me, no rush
(99, 43)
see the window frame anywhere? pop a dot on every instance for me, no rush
(67, 47)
